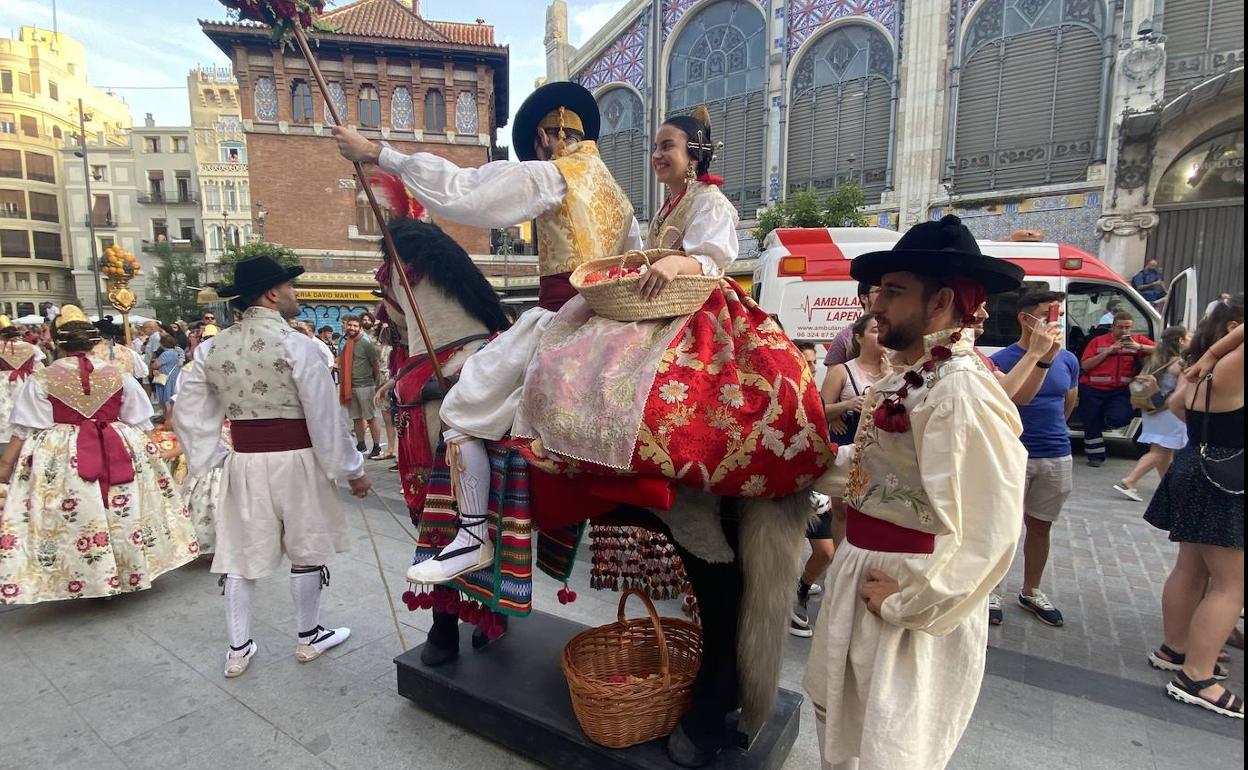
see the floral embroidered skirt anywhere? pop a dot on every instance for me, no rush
(729, 405)
(8, 394)
(58, 538)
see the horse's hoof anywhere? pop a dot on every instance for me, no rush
(683, 751)
(433, 656)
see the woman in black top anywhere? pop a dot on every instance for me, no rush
(1204, 593)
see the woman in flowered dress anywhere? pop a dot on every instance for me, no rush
(91, 509)
(18, 360)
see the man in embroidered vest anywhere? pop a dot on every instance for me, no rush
(278, 493)
(581, 214)
(934, 498)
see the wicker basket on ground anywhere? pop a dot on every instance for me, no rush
(631, 681)
(617, 298)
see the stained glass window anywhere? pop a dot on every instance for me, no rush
(266, 99)
(401, 116)
(339, 98)
(466, 113)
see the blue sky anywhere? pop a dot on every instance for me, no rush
(144, 48)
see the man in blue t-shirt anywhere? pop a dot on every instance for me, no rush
(1050, 468)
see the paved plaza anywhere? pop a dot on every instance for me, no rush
(135, 681)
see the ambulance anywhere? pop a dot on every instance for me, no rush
(803, 279)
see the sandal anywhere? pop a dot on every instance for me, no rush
(1165, 659)
(1186, 690)
(236, 665)
(385, 456)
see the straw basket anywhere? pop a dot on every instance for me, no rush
(617, 298)
(631, 681)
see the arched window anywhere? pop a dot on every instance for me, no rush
(339, 98)
(622, 143)
(401, 115)
(232, 236)
(839, 112)
(265, 99)
(719, 59)
(1199, 35)
(214, 238)
(1030, 100)
(370, 107)
(301, 102)
(244, 195)
(231, 196)
(435, 111)
(212, 196)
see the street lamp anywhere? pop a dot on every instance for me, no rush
(86, 178)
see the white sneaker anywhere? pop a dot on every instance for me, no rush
(465, 554)
(1128, 492)
(324, 640)
(996, 616)
(815, 589)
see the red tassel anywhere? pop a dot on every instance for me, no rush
(712, 179)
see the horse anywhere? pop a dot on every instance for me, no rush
(740, 555)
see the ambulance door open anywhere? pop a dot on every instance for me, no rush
(1181, 301)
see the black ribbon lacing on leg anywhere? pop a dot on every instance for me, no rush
(466, 522)
(324, 570)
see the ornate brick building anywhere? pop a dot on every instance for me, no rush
(420, 84)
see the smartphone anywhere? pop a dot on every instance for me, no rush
(1055, 312)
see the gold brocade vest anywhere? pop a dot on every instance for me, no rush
(593, 220)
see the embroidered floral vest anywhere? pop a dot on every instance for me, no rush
(593, 219)
(116, 356)
(14, 354)
(247, 367)
(63, 382)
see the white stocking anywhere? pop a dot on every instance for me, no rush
(305, 592)
(472, 492)
(240, 594)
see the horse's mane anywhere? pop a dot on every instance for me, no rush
(428, 251)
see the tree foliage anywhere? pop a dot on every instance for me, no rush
(840, 208)
(235, 254)
(169, 289)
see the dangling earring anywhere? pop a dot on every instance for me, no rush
(690, 174)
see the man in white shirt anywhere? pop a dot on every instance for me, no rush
(278, 492)
(934, 504)
(581, 214)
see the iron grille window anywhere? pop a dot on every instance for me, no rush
(1030, 93)
(719, 60)
(840, 112)
(622, 143)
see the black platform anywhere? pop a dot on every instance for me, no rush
(515, 694)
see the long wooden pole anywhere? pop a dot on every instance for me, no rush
(388, 243)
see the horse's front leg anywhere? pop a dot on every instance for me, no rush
(718, 587)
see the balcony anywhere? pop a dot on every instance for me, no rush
(169, 199)
(34, 176)
(99, 221)
(192, 246)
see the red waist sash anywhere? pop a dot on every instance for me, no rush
(553, 291)
(21, 372)
(872, 534)
(272, 434)
(102, 455)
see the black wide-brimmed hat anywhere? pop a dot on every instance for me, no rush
(108, 328)
(571, 96)
(943, 249)
(256, 275)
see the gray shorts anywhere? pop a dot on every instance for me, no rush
(1049, 482)
(361, 405)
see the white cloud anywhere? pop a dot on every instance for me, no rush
(585, 21)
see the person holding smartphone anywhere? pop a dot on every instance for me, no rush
(1050, 465)
(1110, 362)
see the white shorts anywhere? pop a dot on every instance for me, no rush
(1049, 482)
(275, 503)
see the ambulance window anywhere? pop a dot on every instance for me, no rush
(1001, 329)
(1089, 308)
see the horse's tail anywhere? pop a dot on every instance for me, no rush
(770, 538)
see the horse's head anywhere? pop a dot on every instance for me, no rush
(455, 299)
